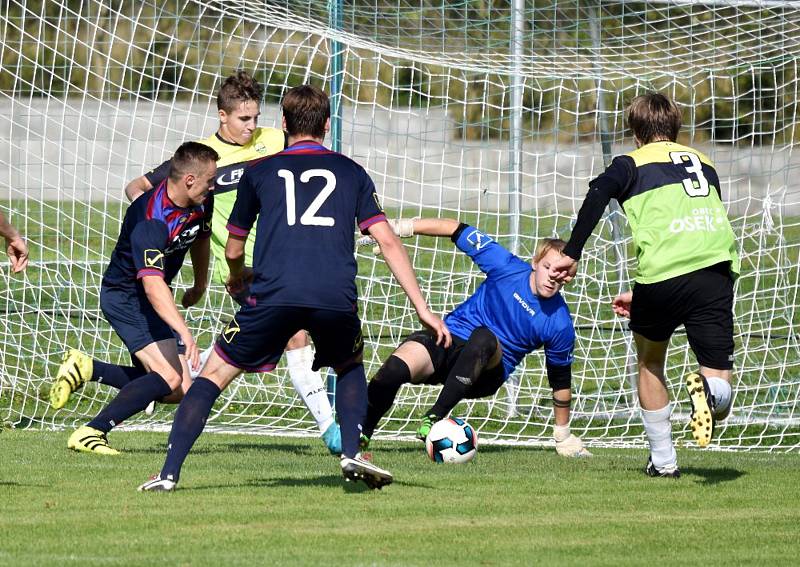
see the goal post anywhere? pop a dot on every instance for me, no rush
(498, 113)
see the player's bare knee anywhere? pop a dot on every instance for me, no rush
(298, 340)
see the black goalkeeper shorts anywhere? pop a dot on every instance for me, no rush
(701, 301)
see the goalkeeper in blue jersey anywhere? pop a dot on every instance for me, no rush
(516, 310)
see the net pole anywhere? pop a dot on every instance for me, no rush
(515, 134)
(614, 210)
(337, 71)
(515, 160)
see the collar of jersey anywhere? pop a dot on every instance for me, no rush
(224, 141)
(305, 145)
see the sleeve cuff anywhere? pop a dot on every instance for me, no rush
(365, 224)
(149, 272)
(237, 231)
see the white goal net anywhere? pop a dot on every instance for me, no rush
(495, 112)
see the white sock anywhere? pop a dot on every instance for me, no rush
(722, 392)
(203, 357)
(659, 432)
(310, 386)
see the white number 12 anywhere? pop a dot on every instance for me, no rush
(309, 216)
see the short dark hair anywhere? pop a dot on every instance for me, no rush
(653, 116)
(188, 157)
(238, 88)
(306, 109)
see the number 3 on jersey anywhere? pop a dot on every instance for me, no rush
(693, 188)
(309, 216)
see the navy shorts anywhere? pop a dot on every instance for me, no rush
(133, 318)
(256, 337)
(701, 301)
(444, 359)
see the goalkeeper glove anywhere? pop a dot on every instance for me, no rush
(567, 444)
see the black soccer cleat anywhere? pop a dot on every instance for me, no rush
(671, 471)
(358, 468)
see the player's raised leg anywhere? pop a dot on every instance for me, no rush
(78, 368)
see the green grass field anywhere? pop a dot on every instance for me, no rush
(246, 500)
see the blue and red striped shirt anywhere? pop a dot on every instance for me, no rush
(155, 236)
(308, 200)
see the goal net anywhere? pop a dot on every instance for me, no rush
(497, 113)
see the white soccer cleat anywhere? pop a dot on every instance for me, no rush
(361, 469)
(157, 484)
(151, 407)
(572, 446)
(203, 357)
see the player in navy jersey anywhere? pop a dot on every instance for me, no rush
(135, 297)
(306, 199)
(239, 140)
(516, 310)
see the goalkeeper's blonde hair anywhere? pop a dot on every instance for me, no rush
(547, 244)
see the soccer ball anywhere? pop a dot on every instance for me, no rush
(451, 440)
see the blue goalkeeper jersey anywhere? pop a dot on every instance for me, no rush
(308, 200)
(506, 304)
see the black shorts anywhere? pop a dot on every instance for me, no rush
(444, 359)
(133, 318)
(701, 301)
(256, 337)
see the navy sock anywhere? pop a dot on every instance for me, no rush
(132, 398)
(351, 406)
(190, 419)
(115, 375)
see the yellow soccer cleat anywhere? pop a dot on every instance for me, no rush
(90, 440)
(702, 422)
(74, 372)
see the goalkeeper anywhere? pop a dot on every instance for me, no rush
(237, 141)
(516, 310)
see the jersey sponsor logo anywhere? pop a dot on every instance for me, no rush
(231, 177)
(154, 258)
(260, 147)
(184, 239)
(524, 304)
(231, 330)
(478, 239)
(701, 220)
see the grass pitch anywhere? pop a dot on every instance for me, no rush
(247, 500)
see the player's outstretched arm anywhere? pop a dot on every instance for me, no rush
(137, 187)
(16, 247)
(397, 259)
(160, 297)
(200, 252)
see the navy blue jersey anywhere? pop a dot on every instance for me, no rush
(155, 235)
(307, 200)
(506, 304)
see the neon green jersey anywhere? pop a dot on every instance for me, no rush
(671, 196)
(677, 218)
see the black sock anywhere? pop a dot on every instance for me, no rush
(479, 349)
(382, 391)
(132, 398)
(351, 406)
(114, 375)
(190, 419)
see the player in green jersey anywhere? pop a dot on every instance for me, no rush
(687, 263)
